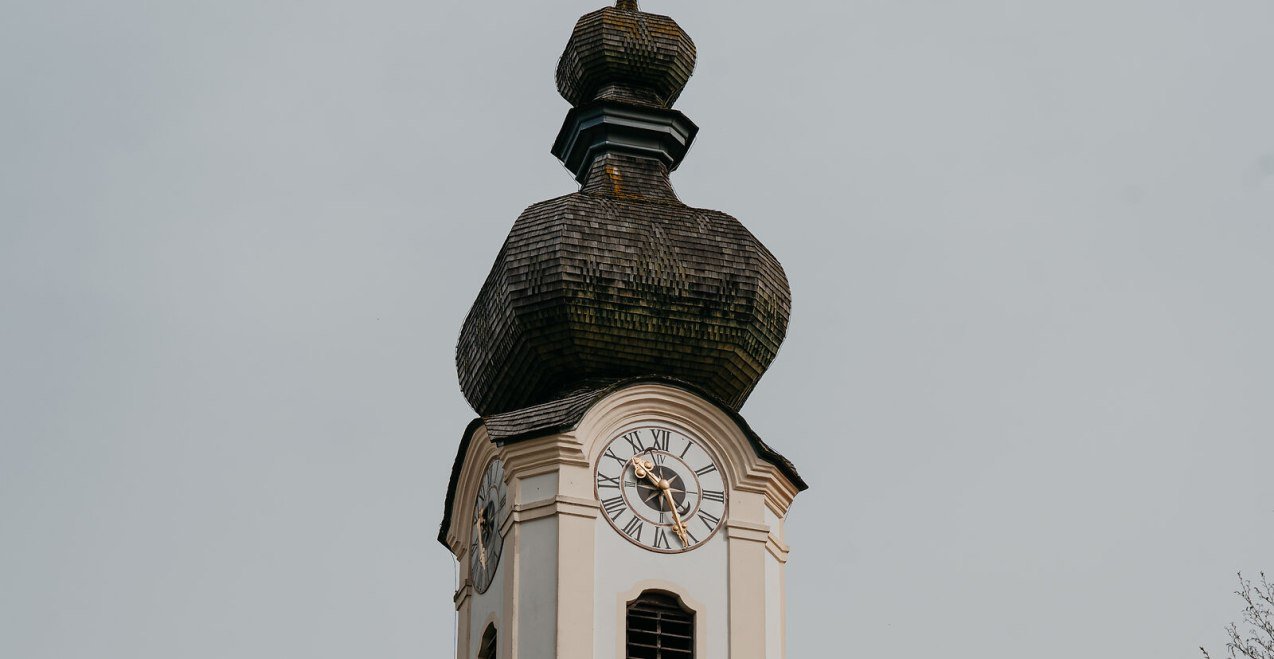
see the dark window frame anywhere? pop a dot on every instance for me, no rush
(658, 625)
(488, 646)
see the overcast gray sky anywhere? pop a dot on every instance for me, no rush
(1029, 372)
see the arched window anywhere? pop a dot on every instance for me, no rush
(486, 649)
(659, 627)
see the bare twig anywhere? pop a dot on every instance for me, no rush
(1258, 620)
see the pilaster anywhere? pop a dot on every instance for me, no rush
(553, 518)
(747, 590)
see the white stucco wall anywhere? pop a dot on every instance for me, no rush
(562, 559)
(488, 607)
(537, 588)
(699, 576)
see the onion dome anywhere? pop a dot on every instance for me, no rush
(621, 53)
(621, 279)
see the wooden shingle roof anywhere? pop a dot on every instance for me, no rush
(621, 278)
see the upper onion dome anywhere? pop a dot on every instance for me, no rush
(623, 54)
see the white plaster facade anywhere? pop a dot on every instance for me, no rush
(562, 586)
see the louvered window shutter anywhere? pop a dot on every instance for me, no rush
(659, 628)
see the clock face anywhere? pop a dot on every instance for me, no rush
(660, 488)
(485, 541)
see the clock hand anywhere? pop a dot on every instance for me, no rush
(645, 469)
(641, 468)
(482, 550)
(679, 527)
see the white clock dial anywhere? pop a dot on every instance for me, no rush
(485, 541)
(660, 488)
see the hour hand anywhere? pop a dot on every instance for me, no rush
(642, 468)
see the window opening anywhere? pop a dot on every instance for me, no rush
(659, 627)
(486, 649)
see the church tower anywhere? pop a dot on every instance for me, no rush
(610, 501)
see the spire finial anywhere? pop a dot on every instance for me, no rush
(627, 5)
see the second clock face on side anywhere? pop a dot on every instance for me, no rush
(485, 541)
(660, 488)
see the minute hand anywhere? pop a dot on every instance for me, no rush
(680, 527)
(482, 550)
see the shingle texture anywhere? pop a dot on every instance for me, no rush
(622, 54)
(621, 279)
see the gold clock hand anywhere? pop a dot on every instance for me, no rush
(482, 550)
(641, 468)
(645, 469)
(679, 527)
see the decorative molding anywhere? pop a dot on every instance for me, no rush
(557, 505)
(660, 402)
(777, 549)
(736, 530)
(543, 455)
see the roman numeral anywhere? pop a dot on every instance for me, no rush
(633, 528)
(607, 481)
(659, 458)
(614, 506)
(634, 440)
(661, 540)
(686, 450)
(709, 520)
(714, 495)
(611, 454)
(706, 470)
(661, 438)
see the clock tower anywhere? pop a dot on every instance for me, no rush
(610, 501)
